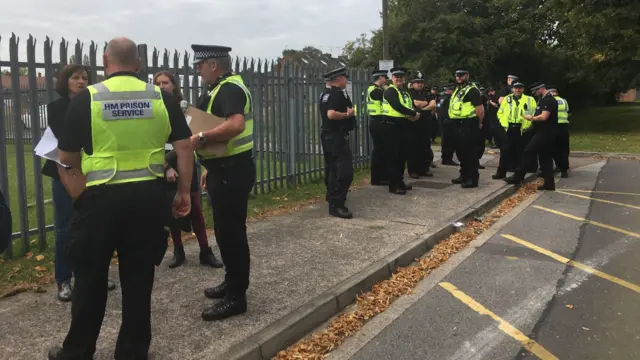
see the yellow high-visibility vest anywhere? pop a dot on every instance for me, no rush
(563, 110)
(129, 128)
(510, 113)
(243, 141)
(374, 107)
(458, 109)
(405, 100)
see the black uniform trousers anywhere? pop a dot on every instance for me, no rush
(393, 148)
(562, 147)
(496, 129)
(448, 139)
(540, 147)
(467, 135)
(418, 145)
(229, 182)
(378, 169)
(481, 141)
(338, 165)
(512, 147)
(129, 218)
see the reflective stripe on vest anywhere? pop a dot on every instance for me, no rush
(374, 107)
(129, 129)
(459, 109)
(563, 110)
(510, 113)
(243, 141)
(405, 100)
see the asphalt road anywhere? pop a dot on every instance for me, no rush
(514, 296)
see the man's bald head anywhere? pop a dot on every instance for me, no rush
(121, 55)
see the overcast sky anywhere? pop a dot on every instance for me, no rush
(258, 28)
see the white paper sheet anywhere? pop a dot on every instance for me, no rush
(48, 147)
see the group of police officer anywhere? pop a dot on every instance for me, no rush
(530, 133)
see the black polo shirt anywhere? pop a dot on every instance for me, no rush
(75, 133)
(393, 98)
(421, 96)
(337, 100)
(230, 99)
(550, 104)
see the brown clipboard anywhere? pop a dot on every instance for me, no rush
(199, 121)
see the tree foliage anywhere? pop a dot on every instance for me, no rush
(589, 48)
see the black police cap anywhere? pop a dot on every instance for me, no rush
(514, 77)
(398, 71)
(536, 85)
(552, 88)
(206, 52)
(418, 77)
(377, 73)
(462, 72)
(335, 73)
(518, 85)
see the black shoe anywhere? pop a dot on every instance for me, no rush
(433, 166)
(111, 285)
(481, 167)
(64, 291)
(564, 174)
(55, 353)
(406, 187)
(216, 292)
(499, 175)
(513, 180)
(207, 258)
(547, 187)
(227, 307)
(397, 191)
(414, 176)
(427, 174)
(458, 180)
(178, 257)
(340, 212)
(449, 163)
(379, 183)
(468, 184)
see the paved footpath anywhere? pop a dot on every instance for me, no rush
(514, 283)
(295, 258)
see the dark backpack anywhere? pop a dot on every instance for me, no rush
(5, 224)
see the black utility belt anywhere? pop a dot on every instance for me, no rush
(515, 125)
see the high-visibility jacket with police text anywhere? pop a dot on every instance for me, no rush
(563, 110)
(458, 108)
(405, 100)
(512, 111)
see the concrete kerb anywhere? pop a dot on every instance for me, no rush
(587, 154)
(287, 330)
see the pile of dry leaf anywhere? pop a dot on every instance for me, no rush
(370, 304)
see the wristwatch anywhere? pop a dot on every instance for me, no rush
(202, 138)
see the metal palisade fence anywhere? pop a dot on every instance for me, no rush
(285, 97)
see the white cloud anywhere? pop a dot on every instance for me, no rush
(253, 28)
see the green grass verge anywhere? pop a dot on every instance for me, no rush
(607, 129)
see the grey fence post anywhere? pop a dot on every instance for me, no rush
(4, 168)
(291, 124)
(144, 63)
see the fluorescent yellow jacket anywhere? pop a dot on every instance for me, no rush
(510, 113)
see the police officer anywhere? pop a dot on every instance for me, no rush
(419, 153)
(545, 123)
(562, 147)
(338, 119)
(448, 130)
(467, 112)
(397, 108)
(113, 140)
(508, 89)
(229, 177)
(492, 106)
(374, 109)
(511, 116)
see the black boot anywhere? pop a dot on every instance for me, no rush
(207, 258)
(340, 212)
(469, 183)
(229, 306)
(499, 175)
(459, 180)
(216, 292)
(397, 191)
(513, 180)
(178, 257)
(564, 174)
(55, 353)
(549, 185)
(449, 163)
(406, 187)
(481, 167)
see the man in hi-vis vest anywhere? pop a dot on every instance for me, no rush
(113, 140)
(562, 145)
(230, 177)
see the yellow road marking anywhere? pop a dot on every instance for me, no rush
(599, 200)
(602, 192)
(575, 264)
(507, 328)
(604, 226)
(512, 257)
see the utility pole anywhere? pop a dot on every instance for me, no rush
(385, 30)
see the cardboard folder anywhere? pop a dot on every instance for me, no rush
(198, 121)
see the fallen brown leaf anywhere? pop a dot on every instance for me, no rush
(28, 255)
(40, 268)
(402, 282)
(39, 257)
(569, 306)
